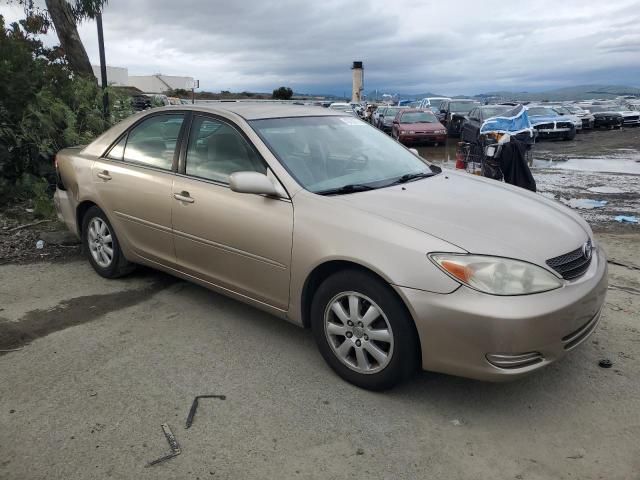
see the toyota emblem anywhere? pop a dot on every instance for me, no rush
(586, 250)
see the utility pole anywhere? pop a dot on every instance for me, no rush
(196, 84)
(103, 67)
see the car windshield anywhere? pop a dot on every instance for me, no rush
(418, 117)
(546, 111)
(435, 104)
(561, 110)
(333, 152)
(599, 108)
(461, 106)
(488, 112)
(575, 109)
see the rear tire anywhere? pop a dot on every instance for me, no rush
(375, 311)
(100, 243)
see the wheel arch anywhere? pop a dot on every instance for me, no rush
(324, 270)
(81, 210)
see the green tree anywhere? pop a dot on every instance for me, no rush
(44, 107)
(282, 93)
(65, 16)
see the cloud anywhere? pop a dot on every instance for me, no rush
(406, 45)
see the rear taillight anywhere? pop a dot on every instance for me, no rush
(59, 183)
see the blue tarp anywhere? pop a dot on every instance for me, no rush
(513, 122)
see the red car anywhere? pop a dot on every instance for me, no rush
(418, 126)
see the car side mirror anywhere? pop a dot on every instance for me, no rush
(253, 182)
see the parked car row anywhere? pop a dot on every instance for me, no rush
(433, 119)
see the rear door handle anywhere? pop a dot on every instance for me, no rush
(183, 197)
(104, 175)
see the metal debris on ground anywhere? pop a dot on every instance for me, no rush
(620, 264)
(631, 290)
(605, 363)
(173, 445)
(194, 407)
(21, 227)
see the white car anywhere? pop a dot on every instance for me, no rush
(343, 107)
(432, 102)
(565, 112)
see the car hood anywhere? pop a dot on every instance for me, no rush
(479, 215)
(423, 127)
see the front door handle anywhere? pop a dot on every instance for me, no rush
(104, 175)
(183, 197)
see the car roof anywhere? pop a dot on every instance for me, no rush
(260, 110)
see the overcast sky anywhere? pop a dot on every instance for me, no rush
(408, 46)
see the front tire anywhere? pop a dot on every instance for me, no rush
(363, 330)
(100, 243)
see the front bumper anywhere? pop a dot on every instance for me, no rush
(554, 133)
(608, 122)
(422, 138)
(459, 330)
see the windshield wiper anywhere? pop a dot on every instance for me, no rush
(412, 176)
(350, 188)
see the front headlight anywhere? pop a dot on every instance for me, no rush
(402, 132)
(440, 131)
(496, 275)
(411, 132)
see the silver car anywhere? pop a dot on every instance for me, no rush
(319, 218)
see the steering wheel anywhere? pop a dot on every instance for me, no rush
(356, 162)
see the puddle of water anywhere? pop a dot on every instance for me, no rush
(613, 164)
(621, 160)
(584, 203)
(604, 189)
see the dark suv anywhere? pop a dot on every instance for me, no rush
(453, 113)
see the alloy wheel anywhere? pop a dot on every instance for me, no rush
(358, 332)
(100, 242)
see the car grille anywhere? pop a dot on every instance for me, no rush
(632, 118)
(564, 124)
(544, 126)
(585, 123)
(573, 264)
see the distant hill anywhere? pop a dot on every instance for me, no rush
(580, 92)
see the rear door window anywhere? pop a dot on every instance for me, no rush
(153, 142)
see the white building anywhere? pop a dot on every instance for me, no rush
(157, 83)
(118, 76)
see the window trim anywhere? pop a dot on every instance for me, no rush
(187, 114)
(182, 160)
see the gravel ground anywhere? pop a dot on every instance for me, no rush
(104, 363)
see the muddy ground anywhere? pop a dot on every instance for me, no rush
(598, 166)
(90, 368)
